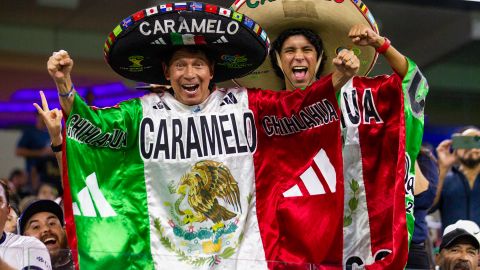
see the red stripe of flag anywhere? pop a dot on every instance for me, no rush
(211, 8)
(200, 40)
(139, 15)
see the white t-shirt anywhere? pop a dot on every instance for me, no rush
(24, 252)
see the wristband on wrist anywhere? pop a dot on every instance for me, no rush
(67, 95)
(382, 49)
(56, 148)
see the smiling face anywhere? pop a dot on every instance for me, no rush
(46, 227)
(460, 255)
(470, 157)
(299, 59)
(189, 73)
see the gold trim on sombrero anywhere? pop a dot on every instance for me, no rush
(332, 20)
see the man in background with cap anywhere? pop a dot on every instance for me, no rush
(43, 220)
(459, 247)
(16, 251)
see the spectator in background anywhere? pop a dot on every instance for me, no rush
(34, 146)
(11, 224)
(426, 179)
(459, 247)
(47, 191)
(458, 194)
(16, 251)
(17, 182)
(43, 220)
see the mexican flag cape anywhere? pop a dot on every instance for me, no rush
(383, 129)
(246, 177)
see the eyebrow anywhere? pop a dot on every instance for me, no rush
(36, 220)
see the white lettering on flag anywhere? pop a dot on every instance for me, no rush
(327, 169)
(103, 206)
(293, 192)
(90, 197)
(86, 204)
(312, 181)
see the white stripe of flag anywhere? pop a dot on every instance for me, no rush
(225, 12)
(151, 11)
(188, 39)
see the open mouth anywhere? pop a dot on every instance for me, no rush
(50, 241)
(191, 88)
(300, 73)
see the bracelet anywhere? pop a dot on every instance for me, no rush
(382, 49)
(56, 148)
(67, 95)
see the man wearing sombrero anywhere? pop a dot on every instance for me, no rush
(378, 188)
(170, 180)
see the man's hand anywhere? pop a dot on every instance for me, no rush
(346, 66)
(363, 35)
(446, 158)
(59, 66)
(52, 119)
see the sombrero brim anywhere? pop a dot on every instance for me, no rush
(137, 47)
(331, 20)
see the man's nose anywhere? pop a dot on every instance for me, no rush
(189, 72)
(299, 55)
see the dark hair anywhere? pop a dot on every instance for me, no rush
(311, 36)
(7, 190)
(15, 172)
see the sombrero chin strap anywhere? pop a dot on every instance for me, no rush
(319, 61)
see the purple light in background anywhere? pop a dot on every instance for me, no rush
(34, 94)
(14, 107)
(109, 89)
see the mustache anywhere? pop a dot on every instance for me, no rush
(462, 265)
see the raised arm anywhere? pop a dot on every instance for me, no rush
(446, 159)
(59, 67)
(53, 122)
(346, 66)
(363, 35)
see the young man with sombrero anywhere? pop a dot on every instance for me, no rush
(170, 180)
(378, 193)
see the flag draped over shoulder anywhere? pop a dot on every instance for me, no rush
(246, 177)
(383, 119)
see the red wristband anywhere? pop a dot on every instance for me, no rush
(382, 49)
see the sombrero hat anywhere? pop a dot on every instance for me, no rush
(136, 48)
(331, 20)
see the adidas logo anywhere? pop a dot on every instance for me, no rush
(91, 198)
(222, 39)
(159, 41)
(319, 178)
(229, 99)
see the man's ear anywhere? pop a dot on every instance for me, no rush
(165, 72)
(212, 69)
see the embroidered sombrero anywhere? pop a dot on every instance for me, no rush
(331, 20)
(136, 48)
